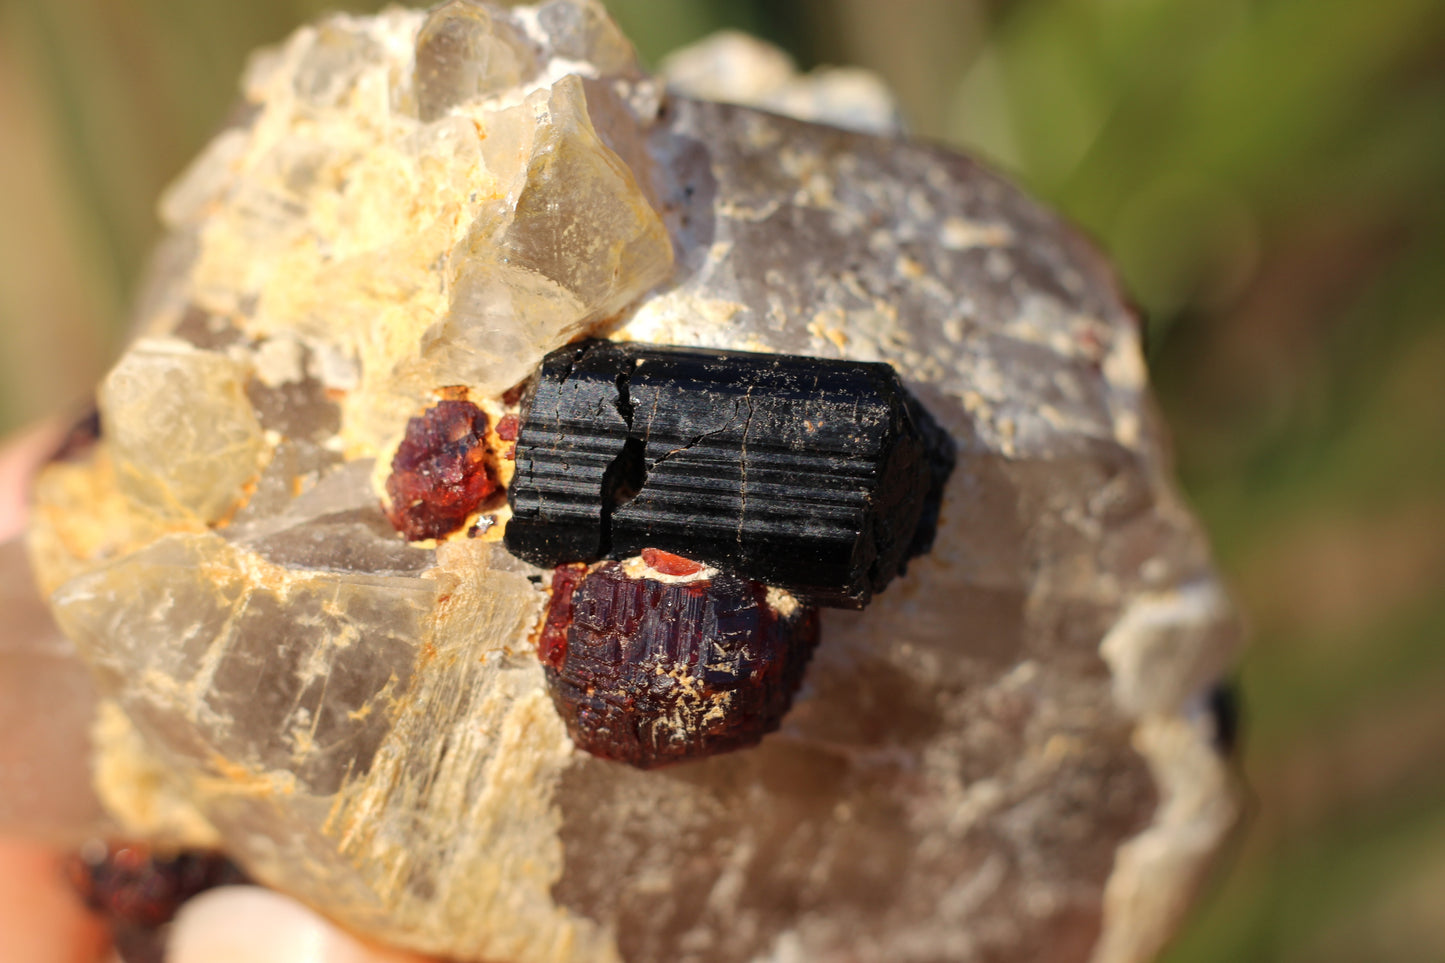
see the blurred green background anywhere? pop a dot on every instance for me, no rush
(1268, 174)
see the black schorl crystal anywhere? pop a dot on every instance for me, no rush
(819, 476)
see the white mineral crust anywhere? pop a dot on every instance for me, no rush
(1003, 758)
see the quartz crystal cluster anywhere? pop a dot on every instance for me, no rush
(283, 560)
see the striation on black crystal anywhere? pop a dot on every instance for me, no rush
(822, 477)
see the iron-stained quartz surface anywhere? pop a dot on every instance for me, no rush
(1006, 756)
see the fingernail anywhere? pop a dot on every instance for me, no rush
(248, 924)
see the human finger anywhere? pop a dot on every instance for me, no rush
(248, 924)
(20, 455)
(41, 920)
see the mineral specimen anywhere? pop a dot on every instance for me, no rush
(819, 476)
(1007, 756)
(650, 668)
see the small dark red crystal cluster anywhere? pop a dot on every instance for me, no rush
(442, 471)
(137, 890)
(651, 671)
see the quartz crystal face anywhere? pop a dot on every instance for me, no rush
(1007, 755)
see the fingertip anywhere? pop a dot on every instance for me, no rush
(41, 918)
(248, 924)
(20, 455)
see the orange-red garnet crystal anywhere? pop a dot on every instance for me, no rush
(441, 472)
(667, 563)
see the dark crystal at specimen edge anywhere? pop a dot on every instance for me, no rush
(822, 477)
(137, 890)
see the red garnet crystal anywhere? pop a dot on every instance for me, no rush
(649, 669)
(668, 563)
(441, 472)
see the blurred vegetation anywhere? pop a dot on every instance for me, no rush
(1267, 174)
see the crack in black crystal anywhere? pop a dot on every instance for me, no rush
(627, 473)
(624, 399)
(696, 440)
(743, 462)
(621, 483)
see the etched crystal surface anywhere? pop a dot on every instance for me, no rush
(1007, 756)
